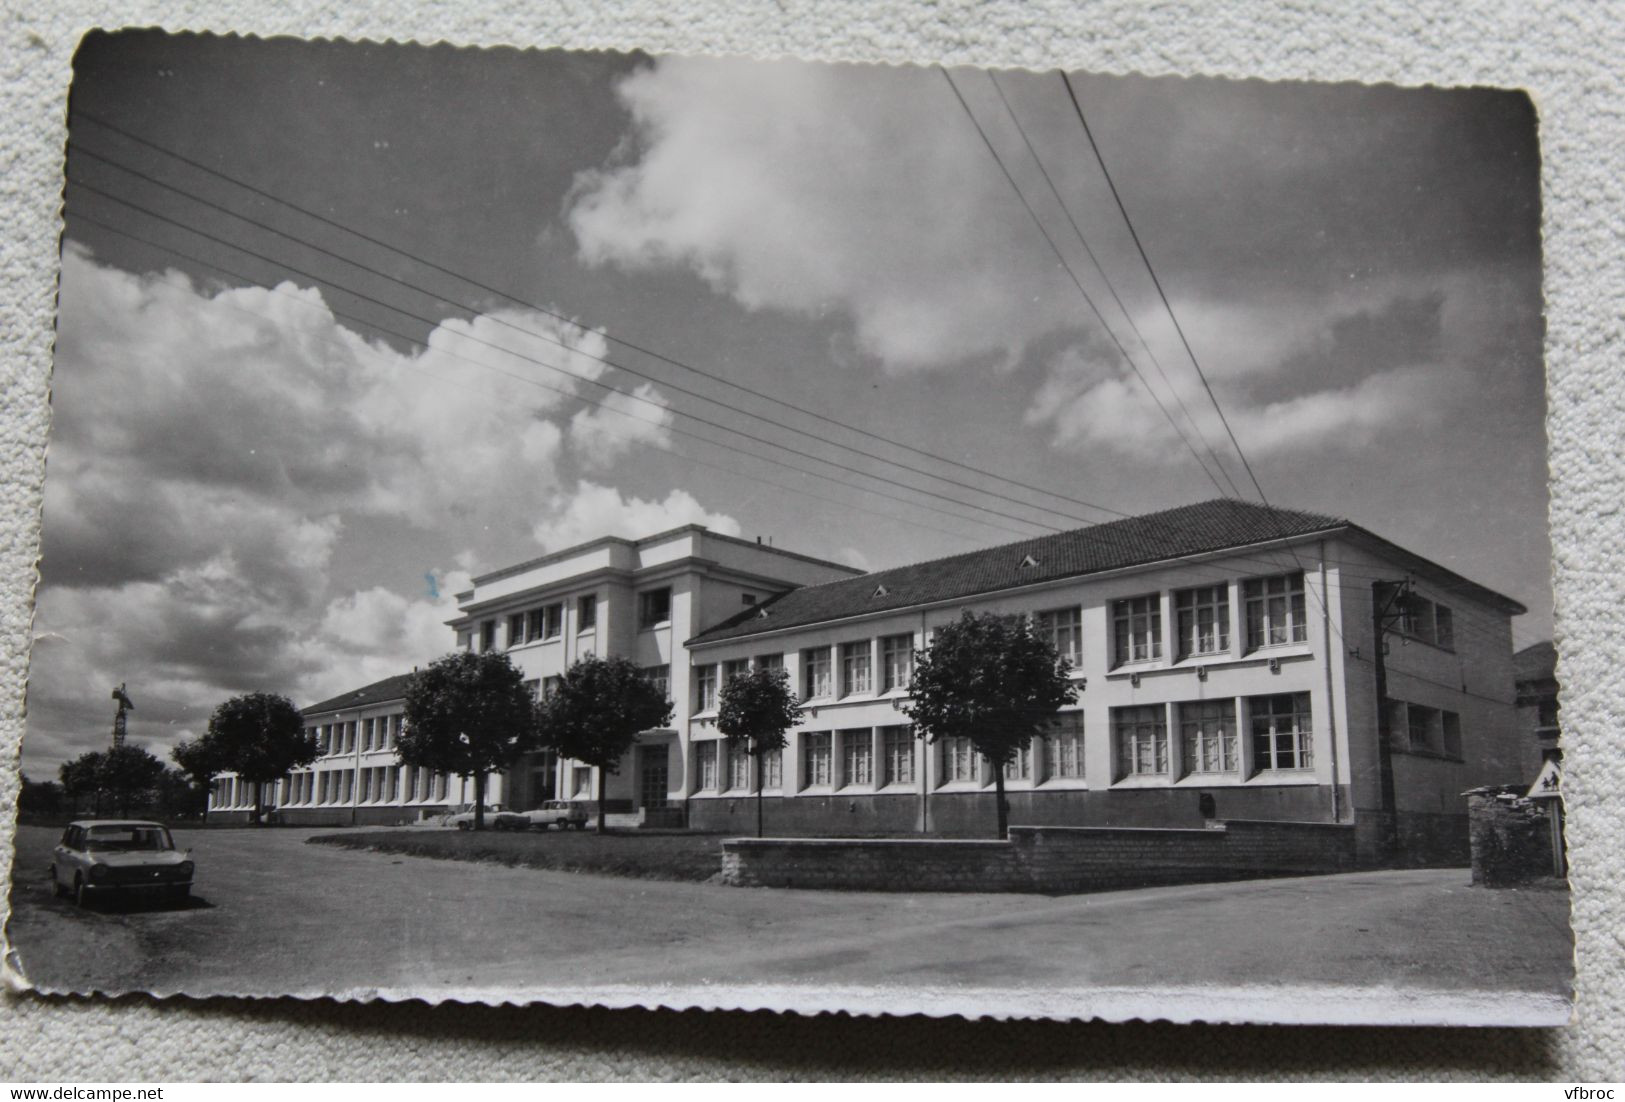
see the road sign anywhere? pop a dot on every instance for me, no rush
(1549, 785)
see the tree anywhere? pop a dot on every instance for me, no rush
(128, 774)
(258, 736)
(595, 713)
(199, 759)
(178, 795)
(468, 714)
(755, 711)
(41, 799)
(82, 777)
(991, 680)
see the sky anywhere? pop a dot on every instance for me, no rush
(473, 306)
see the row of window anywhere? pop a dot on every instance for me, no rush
(1273, 615)
(1420, 618)
(374, 733)
(1425, 730)
(1280, 729)
(378, 784)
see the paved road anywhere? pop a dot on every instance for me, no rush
(273, 915)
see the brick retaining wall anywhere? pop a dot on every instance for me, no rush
(1043, 859)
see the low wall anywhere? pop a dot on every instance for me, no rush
(1043, 859)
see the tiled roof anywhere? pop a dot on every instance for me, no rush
(390, 688)
(1537, 662)
(1188, 530)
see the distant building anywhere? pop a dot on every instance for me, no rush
(1536, 670)
(1225, 656)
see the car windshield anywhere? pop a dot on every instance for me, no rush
(128, 838)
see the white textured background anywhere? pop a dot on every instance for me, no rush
(1567, 55)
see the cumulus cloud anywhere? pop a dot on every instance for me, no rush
(621, 421)
(592, 510)
(799, 188)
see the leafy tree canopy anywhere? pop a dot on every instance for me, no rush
(258, 736)
(598, 708)
(988, 678)
(758, 708)
(200, 759)
(468, 714)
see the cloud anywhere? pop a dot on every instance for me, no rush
(601, 434)
(811, 189)
(591, 511)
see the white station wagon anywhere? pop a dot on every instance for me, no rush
(99, 857)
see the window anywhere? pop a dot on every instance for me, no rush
(1450, 724)
(738, 766)
(654, 607)
(552, 621)
(1203, 615)
(1419, 723)
(770, 661)
(898, 746)
(815, 758)
(583, 777)
(660, 678)
(1020, 766)
(586, 612)
(1062, 628)
(1207, 736)
(815, 674)
(1275, 611)
(1063, 747)
(1444, 627)
(534, 688)
(854, 668)
(896, 662)
(747, 599)
(705, 688)
(488, 635)
(773, 768)
(1142, 740)
(1281, 731)
(1416, 618)
(465, 640)
(734, 668)
(516, 629)
(1137, 629)
(550, 685)
(533, 625)
(960, 761)
(857, 757)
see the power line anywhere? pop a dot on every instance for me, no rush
(569, 374)
(1073, 276)
(1077, 232)
(623, 342)
(1200, 374)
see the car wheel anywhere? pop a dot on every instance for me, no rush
(56, 885)
(81, 894)
(464, 825)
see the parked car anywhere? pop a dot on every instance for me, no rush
(98, 857)
(563, 814)
(462, 816)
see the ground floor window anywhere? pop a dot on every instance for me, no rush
(1020, 766)
(899, 750)
(705, 766)
(857, 757)
(1141, 733)
(1207, 731)
(738, 766)
(815, 758)
(1282, 731)
(960, 761)
(1063, 747)
(773, 769)
(583, 780)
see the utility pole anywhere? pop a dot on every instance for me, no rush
(1385, 610)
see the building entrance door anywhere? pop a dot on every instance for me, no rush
(654, 775)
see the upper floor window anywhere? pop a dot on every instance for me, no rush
(896, 662)
(1451, 729)
(1137, 629)
(587, 612)
(552, 621)
(488, 635)
(660, 678)
(770, 661)
(734, 668)
(1282, 731)
(1141, 732)
(705, 688)
(1433, 623)
(654, 607)
(815, 674)
(747, 599)
(1203, 616)
(1062, 628)
(1275, 612)
(855, 668)
(516, 629)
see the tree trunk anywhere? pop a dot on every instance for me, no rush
(758, 791)
(479, 801)
(1004, 812)
(602, 780)
(257, 793)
